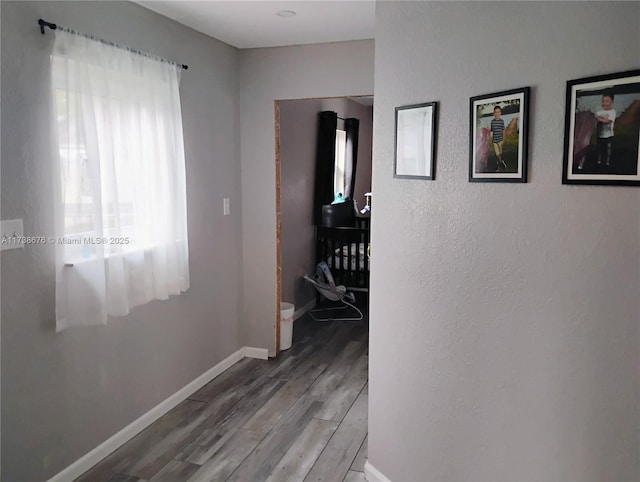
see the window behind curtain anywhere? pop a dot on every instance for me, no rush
(339, 171)
(121, 220)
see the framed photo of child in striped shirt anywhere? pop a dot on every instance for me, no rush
(498, 135)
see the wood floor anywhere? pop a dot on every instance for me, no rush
(300, 417)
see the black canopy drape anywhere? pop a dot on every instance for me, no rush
(351, 156)
(325, 162)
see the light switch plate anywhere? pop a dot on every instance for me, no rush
(225, 204)
(12, 234)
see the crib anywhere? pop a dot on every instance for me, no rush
(346, 252)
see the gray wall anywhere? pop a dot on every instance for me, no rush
(63, 394)
(298, 137)
(505, 318)
(266, 75)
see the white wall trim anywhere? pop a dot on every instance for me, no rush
(300, 312)
(84, 463)
(252, 352)
(374, 475)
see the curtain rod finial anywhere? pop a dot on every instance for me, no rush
(44, 23)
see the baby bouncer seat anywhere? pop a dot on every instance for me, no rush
(326, 286)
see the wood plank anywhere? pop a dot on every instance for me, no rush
(271, 412)
(331, 340)
(304, 328)
(153, 458)
(175, 470)
(324, 348)
(325, 353)
(354, 476)
(351, 333)
(228, 457)
(299, 459)
(343, 396)
(124, 478)
(339, 367)
(219, 428)
(214, 414)
(227, 380)
(125, 457)
(338, 455)
(175, 437)
(299, 378)
(259, 464)
(287, 365)
(361, 457)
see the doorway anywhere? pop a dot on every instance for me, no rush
(296, 126)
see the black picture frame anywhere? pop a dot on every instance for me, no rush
(415, 141)
(594, 153)
(506, 160)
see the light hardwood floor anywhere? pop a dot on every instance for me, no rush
(299, 417)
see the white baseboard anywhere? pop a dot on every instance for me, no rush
(260, 353)
(374, 475)
(83, 464)
(300, 312)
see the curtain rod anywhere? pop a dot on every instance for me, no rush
(53, 26)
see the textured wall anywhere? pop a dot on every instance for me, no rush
(269, 74)
(63, 394)
(298, 137)
(504, 318)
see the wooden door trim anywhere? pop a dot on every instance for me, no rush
(278, 227)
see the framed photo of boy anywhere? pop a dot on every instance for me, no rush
(498, 136)
(602, 130)
(415, 141)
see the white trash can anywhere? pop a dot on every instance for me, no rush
(286, 325)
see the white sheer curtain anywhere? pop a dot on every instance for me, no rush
(121, 215)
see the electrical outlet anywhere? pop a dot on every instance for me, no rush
(225, 204)
(12, 235)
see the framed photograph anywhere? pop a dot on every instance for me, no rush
(415, 143)
(602, 130)
(498, 135)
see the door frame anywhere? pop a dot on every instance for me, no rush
(278, 164)
(276, 108)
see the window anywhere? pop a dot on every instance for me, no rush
(121, 232)
(341, 149)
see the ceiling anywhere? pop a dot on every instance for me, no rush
(251, 24)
